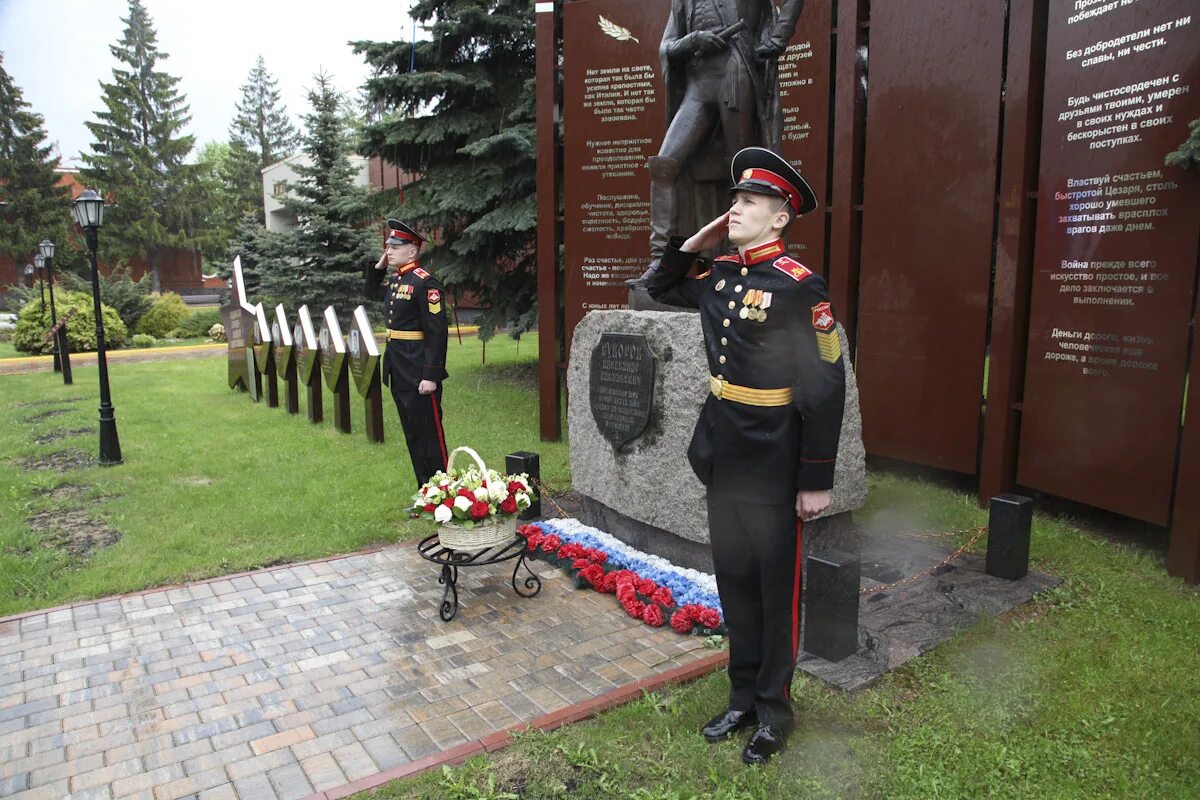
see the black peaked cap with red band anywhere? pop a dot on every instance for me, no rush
(399, 233)
(758, 170)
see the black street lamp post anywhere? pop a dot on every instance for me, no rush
(41, 272)
(62, 350)
(48, 268)
(88, 210)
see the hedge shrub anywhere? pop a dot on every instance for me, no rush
(164, 316)
(34, 321)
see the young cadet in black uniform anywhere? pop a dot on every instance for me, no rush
(414, 364)
(767, 436)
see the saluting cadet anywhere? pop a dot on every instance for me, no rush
(414, 363)
(767, 437)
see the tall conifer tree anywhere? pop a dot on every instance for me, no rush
(260, 135)
(321, 261)
(139, 148)
(473, 145)
(33, 206)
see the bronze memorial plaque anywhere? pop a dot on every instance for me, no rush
(307, 350)
(239, 334)
(281, 339)
(307, 356)
(262, 339)
(1114, 256)
(363, 358)
(333, 350)
(621, 390)
(333, 367)
(281, 353)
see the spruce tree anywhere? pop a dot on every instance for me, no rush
(33, 206)
(260, 135)
(473, 145)
(138, 154)
(321, 261)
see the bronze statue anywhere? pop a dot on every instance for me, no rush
(718, 62)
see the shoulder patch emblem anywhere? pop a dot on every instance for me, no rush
(792, 268)
(822, 316)
(420, 273)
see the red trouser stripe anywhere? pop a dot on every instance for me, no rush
(437, 418)
(796, 587)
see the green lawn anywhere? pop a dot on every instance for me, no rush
(213, 483)
(1092, 691)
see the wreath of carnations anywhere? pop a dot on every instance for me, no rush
(606, 572)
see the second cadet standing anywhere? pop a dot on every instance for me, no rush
(414, 362)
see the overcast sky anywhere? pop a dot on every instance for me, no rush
(57, 53)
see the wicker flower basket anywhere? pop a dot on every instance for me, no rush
(489, 533)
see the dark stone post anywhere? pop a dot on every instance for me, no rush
(1010, 521)
(531, 465)
(831, 605)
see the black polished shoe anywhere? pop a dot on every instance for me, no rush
(766, 741)
(721, 726)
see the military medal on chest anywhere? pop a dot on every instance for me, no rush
(755, 304)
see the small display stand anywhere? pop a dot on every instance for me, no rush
(431, 549)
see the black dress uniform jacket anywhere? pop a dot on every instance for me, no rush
(764, 453)
(768, 326)
(414, 300)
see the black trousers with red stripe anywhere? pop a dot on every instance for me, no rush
(421, 418)
(756, 551)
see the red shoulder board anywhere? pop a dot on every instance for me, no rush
(790, 266)
(420, 273)
(734, 257)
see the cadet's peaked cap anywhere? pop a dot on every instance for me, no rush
(757, 169)
(399, 233)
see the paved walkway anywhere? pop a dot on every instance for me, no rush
(286, 682)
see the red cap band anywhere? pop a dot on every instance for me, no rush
(766, 176)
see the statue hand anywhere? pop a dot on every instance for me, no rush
(699, 43)
(772, 48)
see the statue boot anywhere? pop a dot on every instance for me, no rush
(663, 203)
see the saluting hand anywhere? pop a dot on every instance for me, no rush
(711, 235)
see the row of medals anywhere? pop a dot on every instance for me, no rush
(754, 304)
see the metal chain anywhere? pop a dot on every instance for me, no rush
(544, 494)
(978, 532)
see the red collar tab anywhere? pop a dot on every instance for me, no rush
(403, 268)
(761, 253)
(774, 179)
(792, 268)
